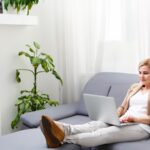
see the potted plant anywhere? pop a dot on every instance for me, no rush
(20, 4)
(32, 100)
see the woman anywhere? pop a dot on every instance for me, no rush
(135, 108)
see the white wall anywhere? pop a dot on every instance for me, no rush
(12, 40)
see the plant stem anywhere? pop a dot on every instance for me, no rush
(35, 78)
(26, 70)
(40, 72)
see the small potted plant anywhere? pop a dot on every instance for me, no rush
(32, 100)
(20, 4)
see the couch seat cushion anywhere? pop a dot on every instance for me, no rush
(76, 119)
(31, 139)
(137, 145)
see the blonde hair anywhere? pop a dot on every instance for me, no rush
(145, 62)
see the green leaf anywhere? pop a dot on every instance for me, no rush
(27, 106)
(36, 45)
(51, 67)
(35, 61)
(57, 76)
(24, 97)
(31, 50)
(18, 76)
(6, 3)
(25, 91)
(24, 53)
(33, 90)
(51, 63)
(47, 57)
(44, 65)
(45, 96)
(15, 121)
(18, 103)
(28, 45)
(53, 102)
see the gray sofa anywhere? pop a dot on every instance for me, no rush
(104, 83)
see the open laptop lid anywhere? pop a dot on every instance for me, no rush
(101, 108)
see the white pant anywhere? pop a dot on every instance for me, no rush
(98, 133)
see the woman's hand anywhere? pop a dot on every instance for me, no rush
(128, 118)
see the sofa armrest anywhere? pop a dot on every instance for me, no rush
(32, 119)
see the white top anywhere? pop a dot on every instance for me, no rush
(138, 107)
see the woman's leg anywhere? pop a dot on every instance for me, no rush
(108, 135)
(83, 128)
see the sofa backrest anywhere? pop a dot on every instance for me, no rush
(107, 84)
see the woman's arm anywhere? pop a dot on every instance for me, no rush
(145, 119)
(120, 111)
(124, 106)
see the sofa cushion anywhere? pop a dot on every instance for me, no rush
(77, 119)
(94, 88)
(118, 91)
(137, 145)
(31, 139)
(32, 119)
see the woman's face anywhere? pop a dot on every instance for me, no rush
(144, 75)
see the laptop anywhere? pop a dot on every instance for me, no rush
(103, 108)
